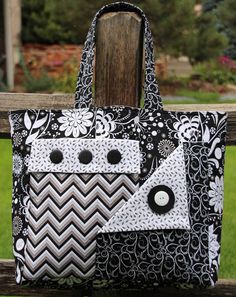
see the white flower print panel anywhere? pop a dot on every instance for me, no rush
(105, 124)
(76, 122)
(214, 245)
(17, 163)
(187, 128)
(16, 225)
(17, 139)
(216, 194)
(165, 147)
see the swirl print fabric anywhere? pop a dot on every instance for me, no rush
(166, 256)
(179, 245)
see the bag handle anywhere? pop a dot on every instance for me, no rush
(83, 93)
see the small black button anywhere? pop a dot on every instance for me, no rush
(85, 157)
(161, 199)
(114, 157)
(56, 156)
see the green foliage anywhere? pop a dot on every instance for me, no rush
(231, 51)
(41, 22)
(3, 87)
(209, 5)
(176, 28)
(226, 14)
(179, 31)
(41, 83)
(66, 83)
(47, 21)
(172, 24)
(214, 72)
(208, 42)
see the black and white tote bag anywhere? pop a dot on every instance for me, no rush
(117, 196)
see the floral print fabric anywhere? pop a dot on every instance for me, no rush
(75, 122)
(158, 135)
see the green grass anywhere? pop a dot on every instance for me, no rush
(228, 253)
(210, 97)
(5, 199)
(191, 100)
(194, 97)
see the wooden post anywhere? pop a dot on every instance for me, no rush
(2, 44)
(119, 56)
(8, 44)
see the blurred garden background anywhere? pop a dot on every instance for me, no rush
(195, 48)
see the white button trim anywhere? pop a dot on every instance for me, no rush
(161, 198)
(71, 147)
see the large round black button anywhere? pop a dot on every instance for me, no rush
(85, 157)
(56, 156)
(114, 157)
(161, 199)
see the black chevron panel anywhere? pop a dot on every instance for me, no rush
(65, 214)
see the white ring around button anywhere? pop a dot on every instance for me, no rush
(161, 198)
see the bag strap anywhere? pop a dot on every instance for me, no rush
(83, 93)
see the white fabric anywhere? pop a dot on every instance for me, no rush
(136, 215)
(71, 147)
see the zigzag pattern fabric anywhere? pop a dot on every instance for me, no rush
(65, 214)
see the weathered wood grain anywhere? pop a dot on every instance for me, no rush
(13, 101)
(119, 56)
(8, 287)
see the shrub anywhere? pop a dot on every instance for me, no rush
(227, 62)
(66, 83)
(3, 87)
(221, 71)
(41, 83)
